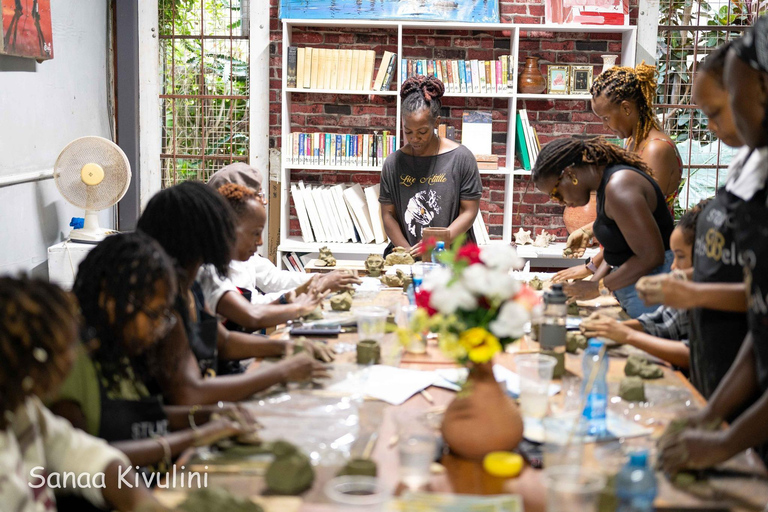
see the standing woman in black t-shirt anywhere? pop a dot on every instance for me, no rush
(633, 223)
(431, 181)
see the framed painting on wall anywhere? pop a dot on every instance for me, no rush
(557, 80)
(468, 11)
(581, 79)
(587, 12)
(26, 29)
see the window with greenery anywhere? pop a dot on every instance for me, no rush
(688, 31)
(204, 52)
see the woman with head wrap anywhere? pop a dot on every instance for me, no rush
(743, 393)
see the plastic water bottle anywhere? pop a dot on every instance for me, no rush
(636, 484)
(596, 403)
(437, 251)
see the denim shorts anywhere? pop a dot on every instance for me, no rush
(628, 298)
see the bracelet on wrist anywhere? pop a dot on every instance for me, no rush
(167, 453)
(191, 416)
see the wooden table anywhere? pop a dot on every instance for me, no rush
(468, 477)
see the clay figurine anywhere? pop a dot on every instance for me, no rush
(358, 467)
(523, 237)
(395, 280)
(536, 284)
(326, 258)
(632, 389)
(341, 302)
(567, 252)
(574, 341)
(573, 309)
(399, 256)
(374, 264)
(216, 498)
(290, 473)
(641, 367)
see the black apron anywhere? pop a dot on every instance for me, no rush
(716, 336)
(202, 333)
(129, 420)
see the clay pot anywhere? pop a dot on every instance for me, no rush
(575, 217)
(531, 80)
(482, 418)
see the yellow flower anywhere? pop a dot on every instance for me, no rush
(480, 344)
(449, 344)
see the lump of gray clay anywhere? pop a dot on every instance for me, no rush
(632, 389)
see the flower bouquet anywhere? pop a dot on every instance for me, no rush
(477, 308)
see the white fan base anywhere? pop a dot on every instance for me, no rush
(90, 232)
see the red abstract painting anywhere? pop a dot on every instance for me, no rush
(26, 29)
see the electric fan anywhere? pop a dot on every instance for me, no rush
(92, 173)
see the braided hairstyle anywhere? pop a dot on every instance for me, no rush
(560, 153)
(238, 196)
(37, 322)
(193, 223)
(637, 85)
(687, 223)
(420, 92)
(714, 63)
(125, 268)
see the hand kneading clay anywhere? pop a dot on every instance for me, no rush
(574, 341)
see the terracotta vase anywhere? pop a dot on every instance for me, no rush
(575, 217)
(482, 418)
(531, 80)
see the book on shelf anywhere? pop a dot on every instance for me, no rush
(471, 76)
(477, 131)
(301, 213)
(374, 209)
(312, 212)
(390, 73)
(356, 203)
(383, 66)
(295, 262)
(307, 68)
(339, 150)
(530, 141)
(292, 65)
(315, 68)
(475, 70)
(300, 52)
(480, 231)
(370, 58)
(487, 162)
(521, 147)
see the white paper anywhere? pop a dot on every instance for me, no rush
(387, 383)
(449, 378)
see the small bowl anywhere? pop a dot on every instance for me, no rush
(358, 491)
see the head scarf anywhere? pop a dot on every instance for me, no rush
(753, 47)
(239, 173)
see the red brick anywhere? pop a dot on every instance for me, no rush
(496, 219)
(482, 54)
(572, 105)
(552, 116)
(359, 110)
(530, 45)
(307, 108)
(549, 209)
(557, 45)
(297, 120)
(587, 117)
(322, 121)
(536, 10)
(537, 104)
(535, 198)
(597, 129)
(299, 38)
(568, 128)
(461, 42)
(614, 47)
(526, 19)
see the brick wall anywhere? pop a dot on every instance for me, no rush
(357, 114)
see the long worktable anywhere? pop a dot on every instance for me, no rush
(741, 484)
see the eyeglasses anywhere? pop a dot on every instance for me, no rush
(555, 194)
(165, 317)
(262, 197)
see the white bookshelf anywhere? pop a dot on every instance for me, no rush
(517, 31)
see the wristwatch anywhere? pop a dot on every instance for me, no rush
(604, 291)
(590, 265)
(283, 299)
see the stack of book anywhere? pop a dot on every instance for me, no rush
(342, 70)
(469, 76)
(293, 262)
(526, 140)
(341, 150)
(480, 231)
(339, 213)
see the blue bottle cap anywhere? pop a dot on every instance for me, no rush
(440, 245)
(638, 458)
(594, 343)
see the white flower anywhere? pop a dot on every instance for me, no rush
(437, 278)
(509, 323)
(501, 257)
(447, 299)
(502, 286)
(486, 282)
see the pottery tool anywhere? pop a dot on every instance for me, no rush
(427, 396)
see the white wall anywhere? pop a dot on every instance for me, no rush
(42, 108)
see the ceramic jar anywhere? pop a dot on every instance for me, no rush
(531, 80)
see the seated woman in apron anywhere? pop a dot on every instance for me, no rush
(196, 226)
(623, 98)
(126, 287)
(39, 325)
(633, 223)
(746, 383)
(431, 181)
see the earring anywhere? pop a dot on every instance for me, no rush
(627, 113)
(575, 180)
(40, 354)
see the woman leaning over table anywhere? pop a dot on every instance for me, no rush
(622, 98)
(431, 181)
(633, 223)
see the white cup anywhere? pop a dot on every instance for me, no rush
(535, 372)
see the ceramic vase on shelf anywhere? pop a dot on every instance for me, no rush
(531, 80)
(609, 61)
(482, 418)
(575, 217)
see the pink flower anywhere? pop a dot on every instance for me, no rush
(526, 297)
(469, 253)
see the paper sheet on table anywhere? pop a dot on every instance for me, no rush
(450, 378)
(435, 502)
(618, 426)
(386, 383)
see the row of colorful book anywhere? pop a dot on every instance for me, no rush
(469, 76)
(526, 140)
(341, 149)
(343, 70)
(339, 213)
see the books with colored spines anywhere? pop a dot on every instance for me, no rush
(292, 64)
(521, 145)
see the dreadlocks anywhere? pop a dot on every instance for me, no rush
(560, 153)
(420, 92)
(238, 196)
(193, 223)
(637, 85)
(37, 322)
(125, 269)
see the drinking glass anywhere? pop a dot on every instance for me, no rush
(572, 488)
(416, 447)
(535, 372)
(371, 322)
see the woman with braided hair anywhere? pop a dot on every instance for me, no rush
(431, 181)
(39, 326)
(633, 223)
